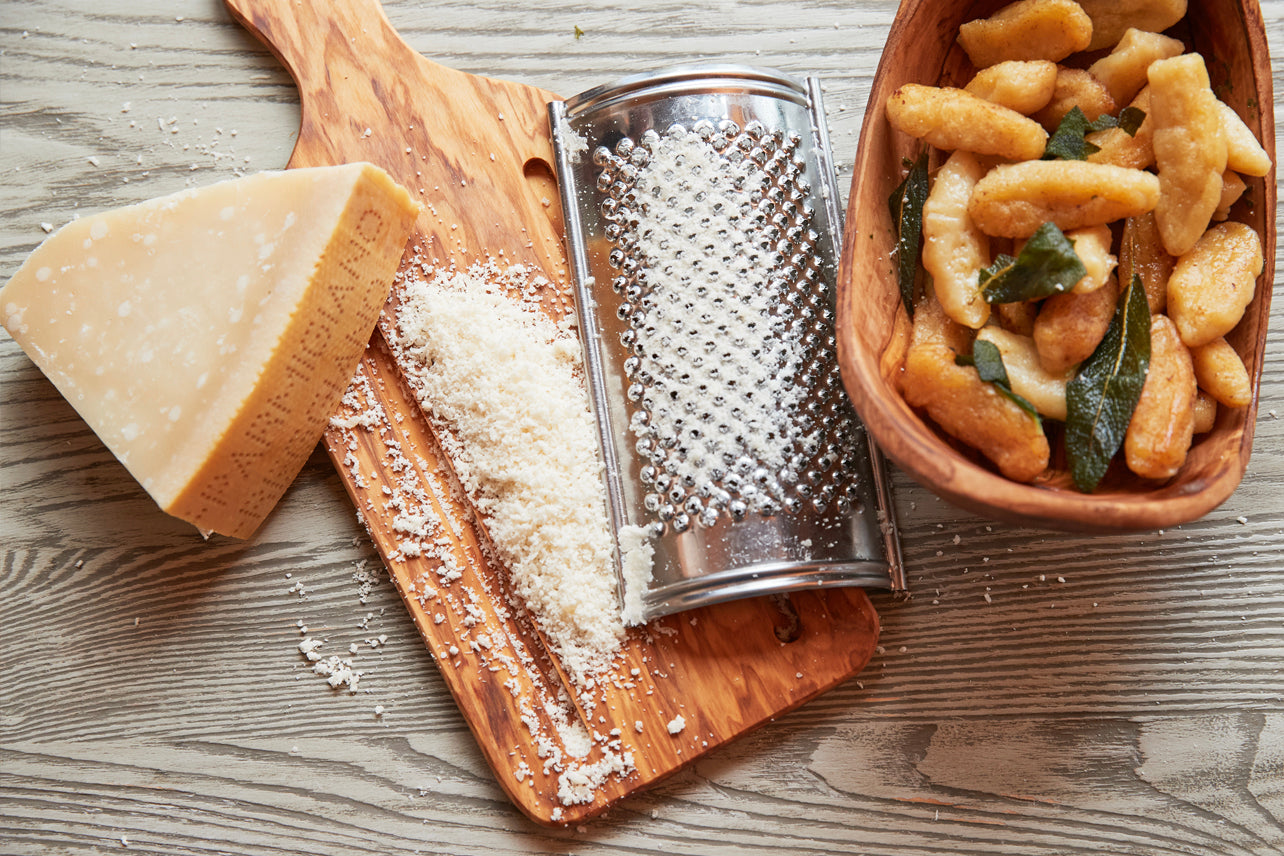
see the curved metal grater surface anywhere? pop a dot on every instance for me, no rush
(703, 199)
(735, 395)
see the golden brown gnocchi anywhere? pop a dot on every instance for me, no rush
(1244, 153)
(1163, 422)
(953, 119)
(1221, 373)
(1075, 88)
(1123, 70)
(1070, 326)
(1190, 149)
(1092, 245)
(1205, 412)
(1025, 30)
(1014, 200)
(1141, 253)
(1116, 146)
(1112, 18)
(1212, 284)
(1044, 389)
(1024, 86)
(965, 406)
(954, 249)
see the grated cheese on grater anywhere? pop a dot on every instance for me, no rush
(504, 383)
(716, 357)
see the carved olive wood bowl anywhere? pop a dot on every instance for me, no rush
(873, 327)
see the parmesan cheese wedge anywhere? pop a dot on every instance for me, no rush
(207, 336)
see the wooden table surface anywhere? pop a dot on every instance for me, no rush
(1042, 693)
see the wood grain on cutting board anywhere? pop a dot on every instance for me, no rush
(476, 152)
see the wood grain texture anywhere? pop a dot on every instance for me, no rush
(1135, 708)
(874, 338)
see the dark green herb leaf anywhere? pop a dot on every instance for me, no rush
(988, 361)
(906, 206)
(1102, 122)
(1130, 119)
(1102, 395)
(1047, 264)
(1069, 140)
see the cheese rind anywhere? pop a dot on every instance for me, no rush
(207, 336)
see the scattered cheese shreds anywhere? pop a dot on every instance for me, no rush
(505, 384)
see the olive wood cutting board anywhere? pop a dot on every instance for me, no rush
(477, 153)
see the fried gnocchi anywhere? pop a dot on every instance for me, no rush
(1140, 201)
(963, 405)
(1233, 188)
(1024, 86)
(1123, 70)
(952, 119)
(1112, 18)
(1075, 88)
(1142, 254)
(1213, 284)
(1116, 146)
(1014, 200)
(1190, 149)
(1244, 153)
(1029, 378)
(1026, 30)
(954, 250)
(1070, 326)
(1221, 373)
(1205, 412)
(1092, 245)
(1163, 422)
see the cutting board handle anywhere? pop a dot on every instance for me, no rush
(353, 72)
(293, 30)
(365, 94)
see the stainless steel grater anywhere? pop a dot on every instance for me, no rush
(702, 219)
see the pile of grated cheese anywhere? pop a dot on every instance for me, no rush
(503, 384)
(581, 757)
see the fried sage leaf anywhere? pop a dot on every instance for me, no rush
(988, 361)
(1046, 265)
(1069, 141)
(1102, 395)
(1130, 119)
(906, 206)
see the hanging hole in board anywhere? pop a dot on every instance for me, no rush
(542, 181)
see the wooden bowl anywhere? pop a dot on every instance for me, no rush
(873, 327)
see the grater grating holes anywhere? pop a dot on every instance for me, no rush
(713, 372)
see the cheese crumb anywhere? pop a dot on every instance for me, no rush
(676, 724)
